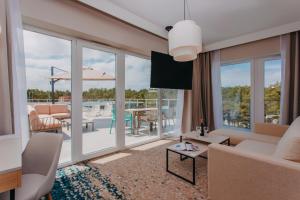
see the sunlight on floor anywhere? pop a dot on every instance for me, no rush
(110, 158)
(151, 145)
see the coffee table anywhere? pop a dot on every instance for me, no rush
(86, 122)
(188, 154)
(207, 139)
(201, 142)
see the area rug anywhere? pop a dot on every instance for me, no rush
(140, 173)
(82, 182)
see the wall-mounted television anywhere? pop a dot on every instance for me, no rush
(170, 74)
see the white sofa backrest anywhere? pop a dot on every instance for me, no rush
(289, 146)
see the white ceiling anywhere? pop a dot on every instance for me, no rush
(219, 19)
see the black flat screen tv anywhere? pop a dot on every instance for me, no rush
(170, 74)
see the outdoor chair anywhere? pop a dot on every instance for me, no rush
(128, 118)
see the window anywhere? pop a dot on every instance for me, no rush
(236, 85)
(251, 92)
(272, 86)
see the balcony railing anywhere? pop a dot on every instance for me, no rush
(235, 118)
(129, 103)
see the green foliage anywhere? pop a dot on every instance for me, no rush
(93, 93)
(236, 103)
(41, 94)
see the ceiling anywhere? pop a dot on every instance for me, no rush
(219, 19)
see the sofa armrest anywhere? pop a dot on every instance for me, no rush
(233, 174)
(270, 129)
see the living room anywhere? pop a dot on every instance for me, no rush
(137, 99)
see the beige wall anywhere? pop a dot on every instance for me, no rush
(74, 19)
(261, 48)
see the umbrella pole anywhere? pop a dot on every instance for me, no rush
(52, 85)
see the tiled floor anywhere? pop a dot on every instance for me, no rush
(102, 138)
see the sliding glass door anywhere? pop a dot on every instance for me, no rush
(98, 99)
(141, 102)
(48, 75)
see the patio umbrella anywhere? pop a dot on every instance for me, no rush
(88, 74)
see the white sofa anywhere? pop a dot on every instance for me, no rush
(264, 165)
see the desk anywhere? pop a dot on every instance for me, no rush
(10, 164)
(135, 112)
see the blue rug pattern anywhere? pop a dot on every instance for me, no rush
(82, 182)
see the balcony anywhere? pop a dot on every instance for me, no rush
(98, 122)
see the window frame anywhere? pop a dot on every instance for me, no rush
(239, 61)
(260, 86)
(257, 77)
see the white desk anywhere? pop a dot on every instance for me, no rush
(10, 164)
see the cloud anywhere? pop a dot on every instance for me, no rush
(240, 74)
(137, 73)
(43, 51)
(39, 46)
(272, 72)
(235, 75)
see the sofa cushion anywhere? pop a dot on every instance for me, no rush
(256, 147)
(61, 115)
(235, 136)
(264, 138)
(238, 136)
(44, 116)
(58, 108)
(289, 146)
(42, 109)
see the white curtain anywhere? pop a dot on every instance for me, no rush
(179, 112)
(216, 89)
(5, 96)
(16, 68)
(285, 70)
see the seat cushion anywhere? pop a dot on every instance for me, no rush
(256, 147)
(61, 115)
(44, 116)
(42, 109)
(58, 108)
(235, 136)
(30, 186)
(289, 146)
(238, 136)
(264, 138)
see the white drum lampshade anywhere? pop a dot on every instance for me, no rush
(185, 41)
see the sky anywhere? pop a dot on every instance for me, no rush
(239, 74)
(43, 51)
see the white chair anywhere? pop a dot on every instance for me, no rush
(39, 164)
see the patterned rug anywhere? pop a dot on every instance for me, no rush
(134, 174)
(82, 181)
(141, 173)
